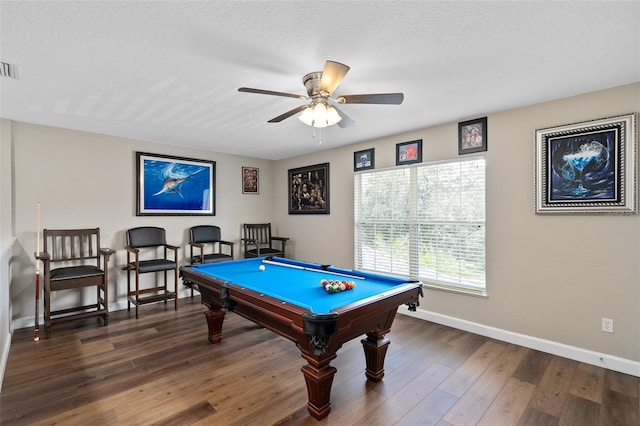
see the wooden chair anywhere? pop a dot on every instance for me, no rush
(72, 260)
(259, 242)
(206, 246)
(149, 241)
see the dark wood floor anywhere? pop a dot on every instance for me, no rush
(161, 369)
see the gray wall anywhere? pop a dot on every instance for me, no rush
(549, 277)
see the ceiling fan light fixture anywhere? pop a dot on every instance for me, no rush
(320, 115)
(307, 116)
(332, 116)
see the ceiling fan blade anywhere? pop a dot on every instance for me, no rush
(287, 114)
(377, 98)
(270, 92)
(332, 75)
(346, 120)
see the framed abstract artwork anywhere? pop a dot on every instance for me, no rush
(472, 136)
(309, 189)
(174, 186)
(588, 167)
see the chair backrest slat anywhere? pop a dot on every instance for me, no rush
(258, 231)
(68, 245)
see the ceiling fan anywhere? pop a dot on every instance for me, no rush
(321, 111)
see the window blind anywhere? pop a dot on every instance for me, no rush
(425, 221)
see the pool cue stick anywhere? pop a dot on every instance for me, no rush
(36, 335)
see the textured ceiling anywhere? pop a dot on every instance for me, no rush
(169, 71)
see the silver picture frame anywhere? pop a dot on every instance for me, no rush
(588, 167)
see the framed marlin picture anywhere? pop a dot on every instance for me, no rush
(174, 186)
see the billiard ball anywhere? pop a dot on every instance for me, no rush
(261, 267)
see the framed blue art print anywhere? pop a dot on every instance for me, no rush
(174, 186)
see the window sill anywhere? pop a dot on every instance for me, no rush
(457, 290)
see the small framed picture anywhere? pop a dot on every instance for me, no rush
(472, 136)
(363, 160)
(409, 152)
(250, 182)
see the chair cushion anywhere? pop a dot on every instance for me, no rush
(154, 265)
(74, 272)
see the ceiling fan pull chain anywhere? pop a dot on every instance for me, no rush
(313, 133)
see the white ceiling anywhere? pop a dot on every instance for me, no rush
(169, 71)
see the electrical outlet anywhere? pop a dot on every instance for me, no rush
(607, 325)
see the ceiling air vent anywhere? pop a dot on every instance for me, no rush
(8, 70)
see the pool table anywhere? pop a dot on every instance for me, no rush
(286, 296)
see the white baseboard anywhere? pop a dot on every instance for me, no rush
(610, 362)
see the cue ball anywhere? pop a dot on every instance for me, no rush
(261, 267)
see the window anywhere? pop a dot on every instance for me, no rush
(425, 221)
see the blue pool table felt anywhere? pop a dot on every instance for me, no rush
(298, 282)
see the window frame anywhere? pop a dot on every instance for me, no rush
(413, 222)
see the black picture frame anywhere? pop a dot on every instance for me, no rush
(472, 136)
(409, 152)
(364, 160)
(167, 185)
(309, 189)
(250, 180)
(588, 167)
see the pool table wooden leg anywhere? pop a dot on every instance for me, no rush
(215, 318)
(375, 349)
(319, 379)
